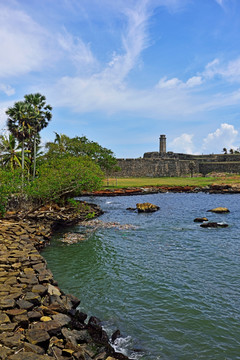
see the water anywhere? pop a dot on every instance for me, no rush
(170, 286)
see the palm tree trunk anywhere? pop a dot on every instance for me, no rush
(34, 157)
(22, 163)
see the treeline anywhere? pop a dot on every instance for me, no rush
(63, 169)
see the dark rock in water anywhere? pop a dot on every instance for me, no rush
(131, 209)
(213, 225)
(74, 300)
(96, 331)
(119, 356)
(147, 207)
(202, 219)
(78, 319)
(94, 323)
(115, 335)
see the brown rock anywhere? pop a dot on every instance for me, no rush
(34, 315)
(21, 320)
(23, 304)
(6, 303)
(202, 219)
(147, 207)
(28, 356)
(15, 295)
(33, 348)
(5, 352)
(52, 327)
(214, 225)
(74, 301)
(4, 319)
(11, 339)
(53, 290)
(62, 319)
(57, 342)
(220, 210)
(36, 336)
(16, 311)
(8, 327)
(33, 298)
(39, 289)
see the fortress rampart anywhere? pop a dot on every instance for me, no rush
(162, 163)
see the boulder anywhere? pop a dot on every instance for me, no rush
(200, 220)
(147, 207)
(213, 225)
(220, 210)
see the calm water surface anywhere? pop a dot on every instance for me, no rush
(170, 286)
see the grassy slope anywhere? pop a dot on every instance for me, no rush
(172, 181)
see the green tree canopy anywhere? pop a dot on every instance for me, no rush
(26, 119)
(81, 146)
(10, 151)
(61, 178)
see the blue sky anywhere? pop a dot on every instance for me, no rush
(122, 72)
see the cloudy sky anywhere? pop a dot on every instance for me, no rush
(122, 72)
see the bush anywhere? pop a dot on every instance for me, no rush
(59, 179)
(10, 184)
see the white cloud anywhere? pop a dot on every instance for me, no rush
(225, 136)
(183, 144)
(194, 81)
(23, 43)
(7, 89)
(79, 52)
(229, 71)
(3, 117)
(176, 83)
(134, 41)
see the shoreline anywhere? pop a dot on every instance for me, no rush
(145, 190)
(38, 321)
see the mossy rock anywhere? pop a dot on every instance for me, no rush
(220, 210)
(147, 207)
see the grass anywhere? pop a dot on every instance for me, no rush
(171, 181)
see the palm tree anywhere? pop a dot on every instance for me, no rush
(58, 147)
(18, 124)
(39, 117)
(9, 148)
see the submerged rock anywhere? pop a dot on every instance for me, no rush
(73, 238)
(96, 224)
(147, 207)
(219, 210)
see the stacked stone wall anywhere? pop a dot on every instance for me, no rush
(220, 167)
(154, 167)
(159, 167)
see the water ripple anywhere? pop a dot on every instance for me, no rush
(171, 285)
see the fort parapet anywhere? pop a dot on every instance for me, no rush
(162, 163)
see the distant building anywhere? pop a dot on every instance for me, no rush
(162, 163)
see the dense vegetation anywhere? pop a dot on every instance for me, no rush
(63, 170)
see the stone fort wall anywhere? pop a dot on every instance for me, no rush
(172, 164)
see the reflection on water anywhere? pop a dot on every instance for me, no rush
(170, 286)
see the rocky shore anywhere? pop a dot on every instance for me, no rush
(37, 320)
(212, 189)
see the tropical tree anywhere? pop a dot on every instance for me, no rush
(81, 146)
(18, 124)
(10, 151)
(39, 117)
